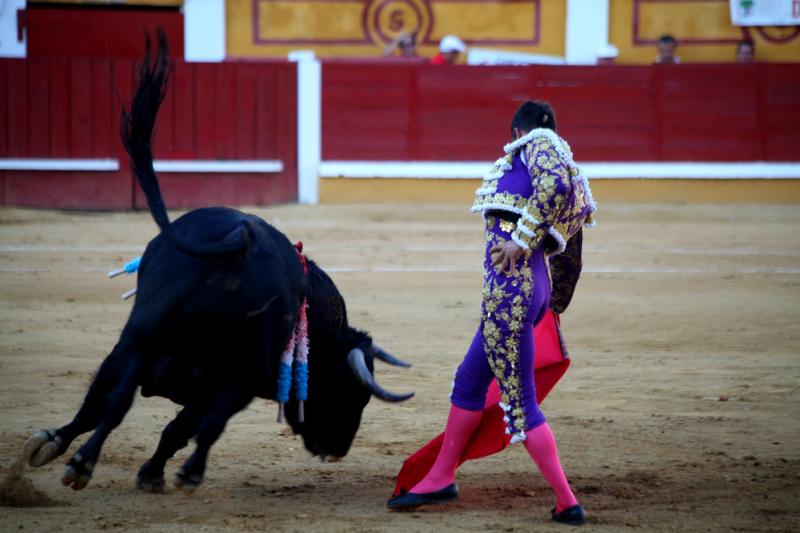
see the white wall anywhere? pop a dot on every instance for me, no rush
(587, 30)
(9, 46)
(204, 30)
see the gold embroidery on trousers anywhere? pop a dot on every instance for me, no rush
(505, 306)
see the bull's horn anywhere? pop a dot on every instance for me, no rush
(386, 357)
(359, 367)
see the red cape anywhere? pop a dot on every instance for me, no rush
(550, 363)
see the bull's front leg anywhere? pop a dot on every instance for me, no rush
(46, 445)
(118, 402)
(228, 403)
(174, 437)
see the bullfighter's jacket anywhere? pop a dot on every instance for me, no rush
(538, 181)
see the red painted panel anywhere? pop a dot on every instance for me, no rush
(205, 129)
(616, 113)
(60, 89)
(698, 144)
(464, 113)
(184, 105)
(609, 143)
(224, 111)
(80, 134)
(18, 111)
(244, 91)
(369, 131)
(232, 111)
(66, 190)
(164, 133)
(285, 128)
(103, 107)
(123, 80)
(367, 97)
(709, 112)
(185, 191)
(4, 124)
(266, 113)
(781, 108)
(367, 111)
(244, 110)
(39, 95)
(100, 32)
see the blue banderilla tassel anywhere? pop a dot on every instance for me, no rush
(284, 382)
(131, 267)
(301, 380)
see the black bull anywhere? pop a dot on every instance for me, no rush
(218, 297)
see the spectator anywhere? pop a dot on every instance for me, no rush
(607, 54)
(666, 50)
(405, 43)
(450, 47)
(745, 51)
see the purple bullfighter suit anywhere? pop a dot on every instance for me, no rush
(537, 197)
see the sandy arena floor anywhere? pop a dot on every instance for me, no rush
(681, 410)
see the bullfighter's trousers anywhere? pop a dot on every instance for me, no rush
(503, 345)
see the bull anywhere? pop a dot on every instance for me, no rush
(218, 298)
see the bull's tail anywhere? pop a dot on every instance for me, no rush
(137, 135)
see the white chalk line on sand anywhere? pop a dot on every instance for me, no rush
(458, 270)
(418, 248)
(588, 270)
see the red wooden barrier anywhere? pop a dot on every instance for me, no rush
(68, 108)
(54, 108)
(779, 97)
(615, 113)
(229, 112)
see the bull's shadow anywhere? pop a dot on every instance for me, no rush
(220, 310)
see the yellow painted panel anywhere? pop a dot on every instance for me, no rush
(701, 22)
(478, 21)
(553, 28)
(238, 28)
(707, 20)
(320, 21)
(361, 28)
(343, 190)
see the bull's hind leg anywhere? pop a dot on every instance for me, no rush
(118, 402)
(46, 445)
(174, 437)
(190, 475)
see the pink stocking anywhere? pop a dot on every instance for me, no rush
(541, 446)
(460, 426)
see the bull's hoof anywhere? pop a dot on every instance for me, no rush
(187, 482)
(150, 479)
(78, 473)
(156, 486)
(42, 447)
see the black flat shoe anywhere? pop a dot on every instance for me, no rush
(574, 516)
(410, 500)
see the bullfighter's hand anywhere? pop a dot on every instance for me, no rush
(506, 255)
